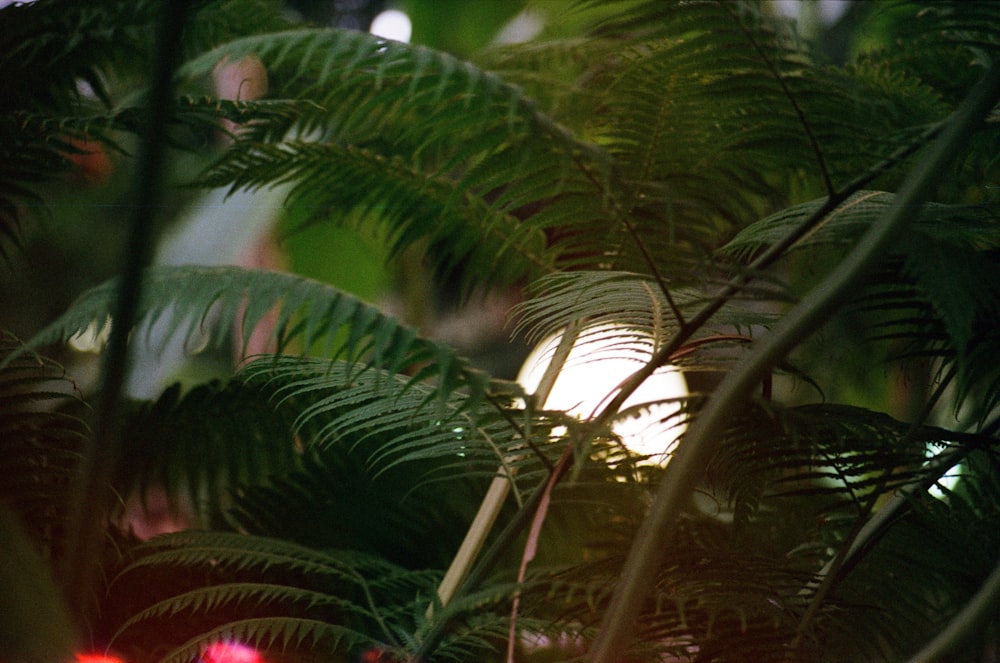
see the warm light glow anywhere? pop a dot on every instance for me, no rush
(97, 658)
(600, 360)
(392, 24)
(230, 652)
(948, 480)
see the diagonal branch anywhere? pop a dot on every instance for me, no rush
(104, 447)
(813, 143)
(697, 448)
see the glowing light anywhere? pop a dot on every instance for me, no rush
(948, 480)
(230, 652)
(599, 361)
(392, 24)
(524, 27)
(97, 658)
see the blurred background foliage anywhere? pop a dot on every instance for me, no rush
(60, 257)
(75, 239)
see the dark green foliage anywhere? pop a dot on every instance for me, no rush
(42, 431)
(203, 442)
(687, 170)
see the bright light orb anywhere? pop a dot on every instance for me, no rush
(392, 24)
(230, 652)
(600, 360)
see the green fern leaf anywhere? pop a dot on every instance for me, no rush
(235, 431)
(274, 633)
(206, 302)
(479, 241)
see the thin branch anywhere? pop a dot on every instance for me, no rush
(497, 492)
(765, 259)
(697, 448)
(813, 143)
(982, 605)
(630, 227)
(660, 281)
(87, 509)
(483, 568)
(521, 432)
(869, 528)
(531, 545)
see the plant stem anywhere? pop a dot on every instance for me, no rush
(982, 604)
(495, 496)
(483, 568)
(88, 513)
(695, 451)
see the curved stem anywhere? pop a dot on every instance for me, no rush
(87, 510)
(497, 492)
(983, 603)
(702, 439)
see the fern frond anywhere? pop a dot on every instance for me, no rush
(202, 305)
(967, 226)
(296, 598)
(832, 450)
(382, 456)
(944, 43)
(458, 150)
(929, 585)
(279, 634)
(552, 72)
(371, 89)
(246, 595)
(334, 404)
(235, 431)
(42, 433)
(716, 594)
(240, 552)
(635, 303)
(469, 236)
(718, 116)
(936, 296)
(399, 514)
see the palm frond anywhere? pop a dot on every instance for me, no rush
(203, 305)
(63, 63)
(296, 598)
(469, 237)
(380, 107)
(236, 433)
(910, 303)
(922, 548)
(42, 432)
